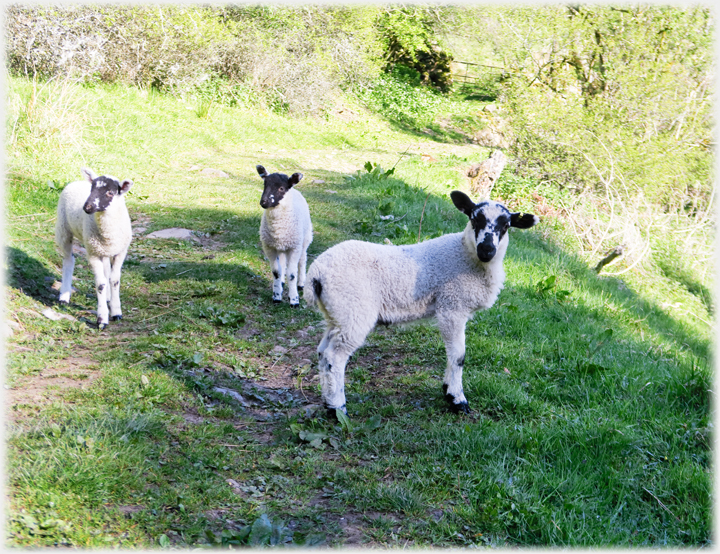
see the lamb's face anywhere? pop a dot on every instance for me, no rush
(276, 186)
(103, 190)
(490, 220)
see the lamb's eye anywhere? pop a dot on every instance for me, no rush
(109, 194)
(281, 189)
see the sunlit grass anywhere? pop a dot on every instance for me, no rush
(591, 422)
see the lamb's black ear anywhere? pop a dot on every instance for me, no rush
(261, 171)
(89, 174)
(295, 178)
(462, 202)
(125, 186)
(523, 221)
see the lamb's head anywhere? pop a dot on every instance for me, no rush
(276, 186)
(103, 190)
(490, 220)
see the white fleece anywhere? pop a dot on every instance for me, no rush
(106, 236)
(285, 234)
(361, 284)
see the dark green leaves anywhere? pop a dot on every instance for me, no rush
(547, 287)
(221, 316)
(262, 532)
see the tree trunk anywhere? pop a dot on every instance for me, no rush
(484, 175)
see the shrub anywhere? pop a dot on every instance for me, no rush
(411, 42)
(398, 100)
(291, 59)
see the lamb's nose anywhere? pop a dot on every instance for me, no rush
(485, 251)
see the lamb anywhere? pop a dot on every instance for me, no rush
(285, 232)
(94, 212)
(358, 285)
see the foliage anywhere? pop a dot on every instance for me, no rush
(401, 102)
(610, 112)
(411, 42)
(588, 68)
(289, 59)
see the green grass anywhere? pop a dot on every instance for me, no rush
(591, 411)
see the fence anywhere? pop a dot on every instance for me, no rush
(470, 74)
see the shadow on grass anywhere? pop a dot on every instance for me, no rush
(30, 276)
(689, 281)
(616, 296)
(679, 392)
(354, 210)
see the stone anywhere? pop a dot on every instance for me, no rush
(173, 233)
(210, 172)
(54, 316)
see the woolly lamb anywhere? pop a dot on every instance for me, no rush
(94, 212)
(358, 285)
(285, 232)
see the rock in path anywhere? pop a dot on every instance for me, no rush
(173, 233)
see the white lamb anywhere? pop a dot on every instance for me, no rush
(94, 212)
(357, 285)
(285, 232)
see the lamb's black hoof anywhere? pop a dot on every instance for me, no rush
(276, 301)
(455, 407)
(116, 318)
(64, 302)
(332, 412)
(101, 325)
(462, 408)
(295, 305)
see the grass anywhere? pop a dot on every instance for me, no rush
(591, 412)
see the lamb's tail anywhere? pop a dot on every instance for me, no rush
(313, 293)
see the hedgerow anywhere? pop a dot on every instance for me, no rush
(292, 59)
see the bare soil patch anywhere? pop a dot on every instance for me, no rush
(76, 372)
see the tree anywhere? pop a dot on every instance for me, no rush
(629, 88)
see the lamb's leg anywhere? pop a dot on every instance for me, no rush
(114, 279)
(272, 256)
(332, 374)
(452, 330)
(292, 273)
(301, 269)
(336, 347)
(278, 269)
(101, 286)
(325, 341)
(107, 269)
(65, 246)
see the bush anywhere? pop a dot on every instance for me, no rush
(601, 94)
(411, 42)
(164, 47)
(398, 100)
(291, 59)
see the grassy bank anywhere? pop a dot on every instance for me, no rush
(196, 420)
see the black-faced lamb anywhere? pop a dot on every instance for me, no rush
(94, 212)
(358, 285)
(285, 232)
